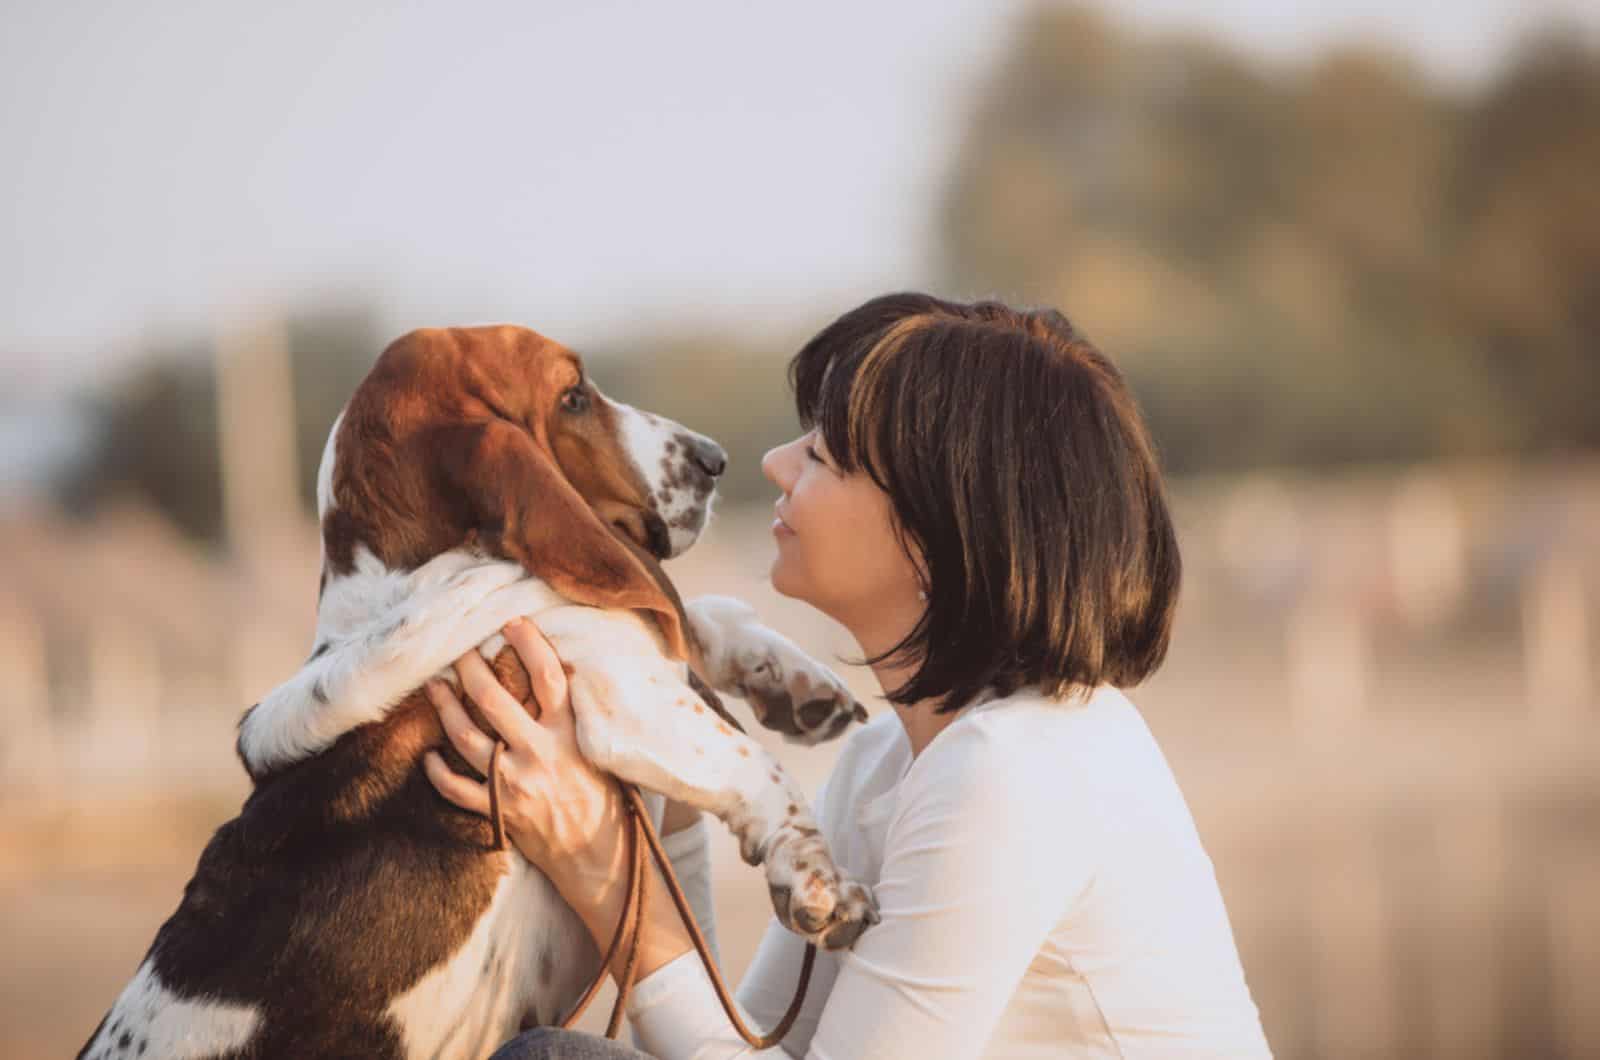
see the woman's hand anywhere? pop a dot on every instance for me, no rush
(562, 813)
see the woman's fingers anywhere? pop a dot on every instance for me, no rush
(474, 744)
(465, 793)
(499, 708)
(545, 672)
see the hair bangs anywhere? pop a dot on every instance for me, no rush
(843, 383)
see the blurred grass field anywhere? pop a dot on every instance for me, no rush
(1410, 855)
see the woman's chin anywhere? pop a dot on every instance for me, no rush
(783, 579)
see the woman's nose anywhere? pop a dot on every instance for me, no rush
(773, 467)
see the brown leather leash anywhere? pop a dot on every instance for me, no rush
(641, 832)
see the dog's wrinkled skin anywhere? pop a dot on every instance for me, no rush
(476, 476)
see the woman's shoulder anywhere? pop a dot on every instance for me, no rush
(1029, 745)
(1030, 725)
(1009, 771)
(1022, 743)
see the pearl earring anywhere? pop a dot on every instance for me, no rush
(922, 594)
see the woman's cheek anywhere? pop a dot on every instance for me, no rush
(810, 565)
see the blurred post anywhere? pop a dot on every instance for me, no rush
(1328, 663)
(1555, 645)
(1468, 907)
(1355, 1015)
(27, 730)
(262, 515)
(1427, 550)
(120, 720)
(1574, 926)
(255, 426)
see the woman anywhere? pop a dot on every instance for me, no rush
(977, 500)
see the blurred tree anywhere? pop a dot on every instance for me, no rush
(159, 441)
(717, 385)
(1343, 263)
(159, 437)
(1525, 261)
(1338, 263)
(330, 350)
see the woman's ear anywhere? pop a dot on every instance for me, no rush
(525, 509)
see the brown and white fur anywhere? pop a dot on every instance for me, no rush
(476, 476)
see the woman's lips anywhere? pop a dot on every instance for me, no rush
(781, 528)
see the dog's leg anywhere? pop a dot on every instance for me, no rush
(788, 691)
(642, 723)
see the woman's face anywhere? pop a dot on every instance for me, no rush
(837, 547)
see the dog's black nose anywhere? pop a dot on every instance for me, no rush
(708, 455)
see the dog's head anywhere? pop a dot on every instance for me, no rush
(495, 438)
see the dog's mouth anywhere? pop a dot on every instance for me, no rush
(645, 529)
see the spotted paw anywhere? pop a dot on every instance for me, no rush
(809, 894)
(831, 913)
(855, 911)
(791, 693)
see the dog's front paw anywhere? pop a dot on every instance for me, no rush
(831, 914)
(813, 900)
(854, 912)
(791, 693)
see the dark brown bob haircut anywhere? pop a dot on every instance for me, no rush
(1020, 470)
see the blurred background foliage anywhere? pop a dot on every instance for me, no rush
(1312, 267)
(1346, 263)
(158, 441)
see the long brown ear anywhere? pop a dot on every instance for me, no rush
(524, 508)
(696, 657)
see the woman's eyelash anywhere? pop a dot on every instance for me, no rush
(812, 453)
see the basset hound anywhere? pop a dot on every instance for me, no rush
(477, 475)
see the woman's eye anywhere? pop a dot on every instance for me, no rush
(575, 400)
(812, 453)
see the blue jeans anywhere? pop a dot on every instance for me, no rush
(551, 1043)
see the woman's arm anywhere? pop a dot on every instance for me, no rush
(978, 867)
(685, 836)
(982, 858)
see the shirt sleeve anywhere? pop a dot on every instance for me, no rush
(675, 1011)
(690, 853)
(983, 855)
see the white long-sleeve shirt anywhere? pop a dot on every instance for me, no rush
(1044, 894)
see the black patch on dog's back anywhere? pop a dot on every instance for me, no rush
(342, 882)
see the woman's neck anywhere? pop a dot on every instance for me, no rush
(877, 634)
(921, 721)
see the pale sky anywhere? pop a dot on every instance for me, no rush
(591, 169)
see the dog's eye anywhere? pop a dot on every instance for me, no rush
(575, 400)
